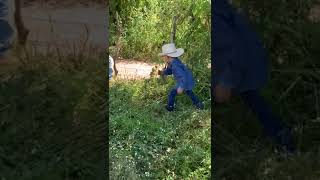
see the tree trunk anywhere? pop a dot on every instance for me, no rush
(118, 43)
(174, 29)
(22, 31)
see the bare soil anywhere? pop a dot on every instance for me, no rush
(67, 28)
(130, 69)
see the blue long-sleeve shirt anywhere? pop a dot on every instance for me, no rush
(239, 58)
(181, 73)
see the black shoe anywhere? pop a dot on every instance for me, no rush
(200, 106)
(169, 108)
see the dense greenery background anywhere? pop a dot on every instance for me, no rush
(141, 27)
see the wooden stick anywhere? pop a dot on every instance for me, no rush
(289, 88)
(174, 29)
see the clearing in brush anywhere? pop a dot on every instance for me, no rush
(181, 73)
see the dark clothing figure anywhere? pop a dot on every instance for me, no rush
(240, 64)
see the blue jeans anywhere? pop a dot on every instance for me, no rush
(272, 125)
(6, 31)
(173, 93)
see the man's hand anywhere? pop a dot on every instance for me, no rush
(222, 94)
(180, 90)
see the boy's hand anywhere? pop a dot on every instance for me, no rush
(180, 90)
(222, 94)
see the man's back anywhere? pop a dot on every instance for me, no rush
(238, 54)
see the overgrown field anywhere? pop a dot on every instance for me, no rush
(52, 119)
(147, 142)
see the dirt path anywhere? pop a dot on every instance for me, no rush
(66, 27)
(129, 69)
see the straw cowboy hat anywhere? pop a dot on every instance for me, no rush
(171, 50)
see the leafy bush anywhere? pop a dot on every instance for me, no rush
(141, 27)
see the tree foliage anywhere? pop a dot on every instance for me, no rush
(287, 32)
(146, 24)
(139, 28)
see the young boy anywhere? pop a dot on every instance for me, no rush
(181, 74)
(240, 68)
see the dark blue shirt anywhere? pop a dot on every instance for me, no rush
(239, 58)
(181, 74)
(3, 8)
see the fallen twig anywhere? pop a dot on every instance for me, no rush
(316, 99)
(314, 73)
(289, 88)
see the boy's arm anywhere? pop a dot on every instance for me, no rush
(167, 71)
(180, 75)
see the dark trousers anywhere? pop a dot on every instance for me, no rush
(272, 125)
(173, 93)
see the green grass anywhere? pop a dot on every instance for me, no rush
(242, 152)
(147, 142)
(52, 119)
